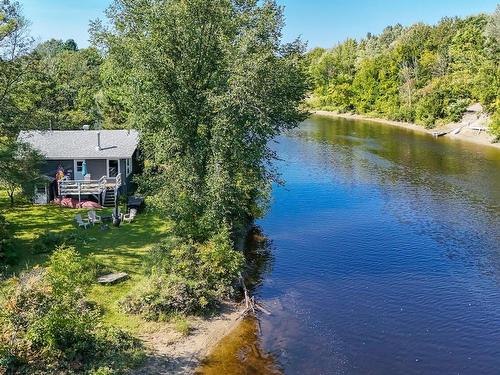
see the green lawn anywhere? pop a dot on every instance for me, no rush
(118, 249)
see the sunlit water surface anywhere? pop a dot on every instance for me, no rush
(385, 257)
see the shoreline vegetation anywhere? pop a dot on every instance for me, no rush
(467, 135)
(430, 75)
(206, 84)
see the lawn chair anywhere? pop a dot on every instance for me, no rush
(81, 222)
(130, 216)
(93, 217)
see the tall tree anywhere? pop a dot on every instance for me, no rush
(210, 84)
(19, 169)
(15, 63)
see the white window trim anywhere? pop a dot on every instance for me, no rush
(107, 167)
(128, 166)
(75, 164)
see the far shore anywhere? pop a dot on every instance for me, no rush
(466, 135)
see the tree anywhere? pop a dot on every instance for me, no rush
(52, 47)
(209, 85)
(15, 63)
(19, 168)
(426, 74)
(493, 27)
(70, 86)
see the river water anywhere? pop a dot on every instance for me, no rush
(383, 257)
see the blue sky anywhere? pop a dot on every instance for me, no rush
(320, 22)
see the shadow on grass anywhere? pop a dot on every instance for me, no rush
(119, 248)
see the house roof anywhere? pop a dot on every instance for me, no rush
(83, 144)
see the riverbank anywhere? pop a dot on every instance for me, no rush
(466, 135)
(169, 352)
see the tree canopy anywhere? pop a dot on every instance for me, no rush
(424, 74)
(208, 84)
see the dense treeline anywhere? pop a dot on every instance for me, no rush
(51, 85)
(423, 74)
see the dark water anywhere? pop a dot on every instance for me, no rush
(386, 254)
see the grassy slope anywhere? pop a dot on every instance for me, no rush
(118, 249)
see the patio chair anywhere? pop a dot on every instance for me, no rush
(130, 216)
(81, 222)
(93, 217)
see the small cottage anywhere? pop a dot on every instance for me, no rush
(85, 164)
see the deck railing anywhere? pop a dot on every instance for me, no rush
(88, 187)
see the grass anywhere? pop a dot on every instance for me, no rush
(181, 325)
(117, 249)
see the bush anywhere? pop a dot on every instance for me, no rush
(181, 325)
(49, 327)
(455, 109)
(48, 241)
(6, 245)
(494, 127)
(186, 278)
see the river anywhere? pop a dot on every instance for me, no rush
(383, 257)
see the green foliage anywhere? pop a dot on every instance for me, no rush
(495, 125)
(423, 74)
(71, 82)
(186, 278)
(16, 65)
(181, 325)
(19, 168)
(48, 241)
(208, 83)
(6, 243)
(54, 85)
(47, 325)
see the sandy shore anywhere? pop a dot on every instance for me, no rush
(466, 135)
(171, 353)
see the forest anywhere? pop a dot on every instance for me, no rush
(427, 74)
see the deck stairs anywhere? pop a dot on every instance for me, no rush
(109, 198)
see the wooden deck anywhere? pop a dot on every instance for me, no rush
(97, 188)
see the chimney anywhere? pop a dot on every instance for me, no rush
(98, 147)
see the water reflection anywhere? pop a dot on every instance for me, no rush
(385, 255)
(241, 351)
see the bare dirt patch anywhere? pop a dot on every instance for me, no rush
(172, 353)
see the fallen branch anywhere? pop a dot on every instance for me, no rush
(250, 305)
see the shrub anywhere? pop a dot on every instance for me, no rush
(428, 110)
(494, 126)
(6, 245)
(186, 278)
(181, 325)
(455, 109)
(48, 241)
(49, 327)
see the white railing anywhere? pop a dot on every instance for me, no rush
(90, 187)
(118, 181)
(82, 187)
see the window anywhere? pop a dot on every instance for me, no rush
(113, 168)
(128, 166)
(79, 166)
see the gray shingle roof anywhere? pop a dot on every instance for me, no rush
(82, 144)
